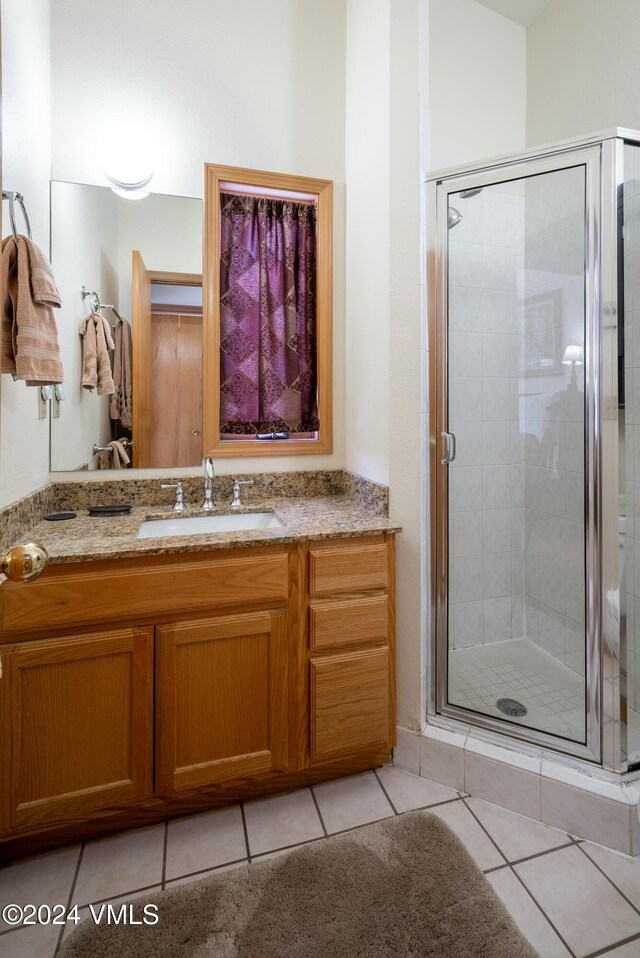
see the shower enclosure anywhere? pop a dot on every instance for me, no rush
(534, 333)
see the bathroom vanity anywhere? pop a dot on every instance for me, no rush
(149, 678)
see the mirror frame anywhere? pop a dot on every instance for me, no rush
(213, 445)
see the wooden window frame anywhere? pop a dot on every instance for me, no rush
(213, 445)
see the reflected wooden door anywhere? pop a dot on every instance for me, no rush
(176, 389)
(141, 330)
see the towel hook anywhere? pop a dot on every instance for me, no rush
(13, 199)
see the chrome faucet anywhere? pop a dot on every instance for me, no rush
(208, 505)
(179, 505)
(235, 501)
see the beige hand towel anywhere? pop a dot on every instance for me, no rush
(9, 305)
(96, 365)
(122, 401)
(36, 351)
(107, 332)
(43, 285)
(117, 458)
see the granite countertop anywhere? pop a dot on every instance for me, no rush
(88, 538)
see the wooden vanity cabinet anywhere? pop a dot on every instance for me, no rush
(142, 689)
(77, 725)
(222, 691)
(351, 645)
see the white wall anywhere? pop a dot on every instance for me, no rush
(407, 454)
(368, 252)
(383, 292)
(24, 440)
(248, 83)
(166, 231)
(81, 254)
(477, 83)
(582, 69)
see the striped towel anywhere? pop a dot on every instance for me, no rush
(30, 348)
(96, 364)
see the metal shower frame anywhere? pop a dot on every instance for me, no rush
(602, 156)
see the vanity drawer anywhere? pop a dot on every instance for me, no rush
(349, 622)
(348, 568)
(350, 703)
(109, 591)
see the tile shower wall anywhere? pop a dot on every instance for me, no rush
(487, 515)
(551, 415)
(516, 302)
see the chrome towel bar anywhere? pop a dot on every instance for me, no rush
(18, 198)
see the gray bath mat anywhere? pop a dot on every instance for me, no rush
(403, 888)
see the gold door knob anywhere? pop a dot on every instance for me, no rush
(24, 563)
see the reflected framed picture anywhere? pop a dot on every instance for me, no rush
(542, 345)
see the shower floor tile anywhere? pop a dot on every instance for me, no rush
(553, 694)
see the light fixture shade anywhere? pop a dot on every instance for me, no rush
(129, 194)
(573, 356)
(130, 190)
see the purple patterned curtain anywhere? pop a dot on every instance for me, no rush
(267, 315)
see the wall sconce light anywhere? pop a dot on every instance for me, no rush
(573, 356)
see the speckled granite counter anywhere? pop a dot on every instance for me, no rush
(88, 538)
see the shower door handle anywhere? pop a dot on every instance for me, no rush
(450, 447)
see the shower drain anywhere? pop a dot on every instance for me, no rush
(511, 707)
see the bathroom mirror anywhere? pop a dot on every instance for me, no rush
(129, 274)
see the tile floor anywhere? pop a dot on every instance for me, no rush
(552, 693)
(570, 898)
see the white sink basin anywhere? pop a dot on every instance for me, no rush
(205, 525)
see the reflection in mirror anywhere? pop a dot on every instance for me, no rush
(133, 368)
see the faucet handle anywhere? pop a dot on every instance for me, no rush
(179, 505)
(208, 504)
(236, 490)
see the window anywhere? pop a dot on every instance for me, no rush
(268, 311)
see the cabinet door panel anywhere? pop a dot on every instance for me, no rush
(349, 703)
(81, 724)
(222, 709)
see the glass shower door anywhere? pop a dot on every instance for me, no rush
(515, 321)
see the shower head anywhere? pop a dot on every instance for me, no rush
(467, 194)
(454, 217)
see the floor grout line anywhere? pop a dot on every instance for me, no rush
(315, 802)
(495, 868)
(164, 854)
(284, 848)
(119, 894)
(609, 879)
(70, 898)
(489, 836)
(386, 794)
(547, 851)
(514, 872)
(610, 948)
(202, 871)
(543, 912)
(246, 832)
